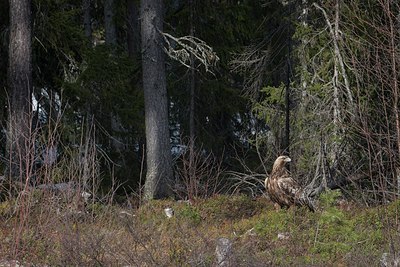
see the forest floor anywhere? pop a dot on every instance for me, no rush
(47, 231)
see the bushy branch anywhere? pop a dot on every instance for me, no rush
(199, 172)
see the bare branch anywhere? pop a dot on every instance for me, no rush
(249, 182)
(252, 62)
(338, 55)
(181, 49)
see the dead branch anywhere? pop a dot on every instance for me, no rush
(338, 55)
(252, 62)
(198, 173)
(181, 49)
(246, 182)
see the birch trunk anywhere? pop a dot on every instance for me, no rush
(334, 32)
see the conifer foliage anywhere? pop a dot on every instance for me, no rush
(244, 80)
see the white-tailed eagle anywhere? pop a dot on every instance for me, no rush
(283, 189)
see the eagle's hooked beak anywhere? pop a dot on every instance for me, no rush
(287, 159)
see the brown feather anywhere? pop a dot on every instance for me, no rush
(283, 189)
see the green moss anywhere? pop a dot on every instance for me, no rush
(228, 207)
(189, 214)
(336, 232)
(272, 223)
(328, 198)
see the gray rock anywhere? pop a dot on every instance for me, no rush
(224, 252)
(389, 260)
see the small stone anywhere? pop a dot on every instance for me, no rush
(283, 236)
(169, 212)
(86, 196)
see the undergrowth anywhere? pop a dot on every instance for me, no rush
(55, 235)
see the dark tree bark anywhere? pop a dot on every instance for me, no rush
(159, 162)
(133, 28)
(192, 82)
(20, 86)
(111, 40)
(109, 22)
(87, 19)
(286, 142)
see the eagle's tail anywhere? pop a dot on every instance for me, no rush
(303, 199)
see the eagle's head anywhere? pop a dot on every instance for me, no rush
(284, 158)
(280, 163)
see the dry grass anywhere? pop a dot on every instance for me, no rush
(53, 234)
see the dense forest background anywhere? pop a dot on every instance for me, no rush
(246, 81)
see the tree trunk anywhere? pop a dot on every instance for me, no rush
(109, 22)
(133, 28)
(302, 55)
(286, 141)
(111, 40)
(395, 85)
(336, 94)
(87, 19)
(159, 162)
(20, 86)
(192, 86)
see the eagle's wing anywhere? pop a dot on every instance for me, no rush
(266, 183)
(283, 191)
(294, 193)
(288, 186)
